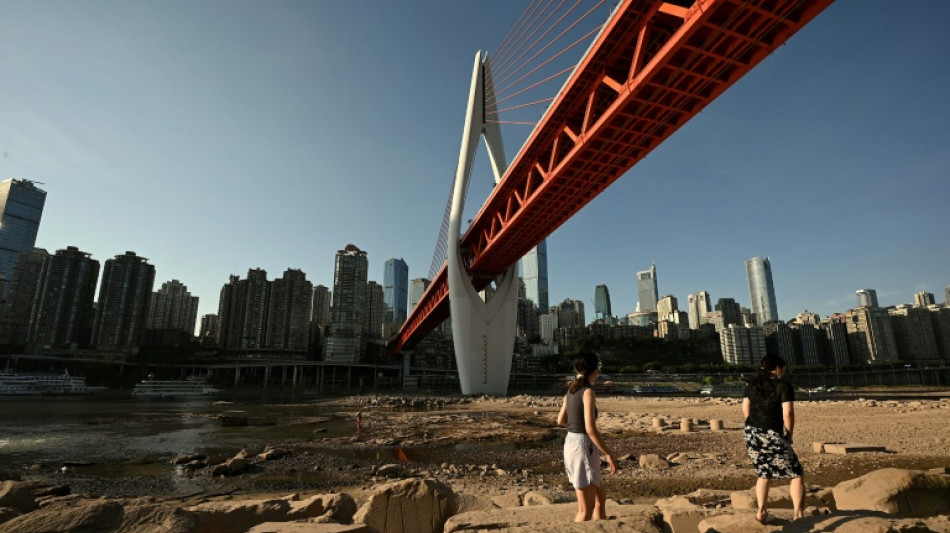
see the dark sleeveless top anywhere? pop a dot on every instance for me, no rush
(766, 411)
(575, 411)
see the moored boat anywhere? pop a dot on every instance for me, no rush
(16, 384)
(172, 388)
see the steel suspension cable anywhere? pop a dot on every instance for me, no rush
(503, 72)
(521, 40)
(556, 39)
(505, 48)
(502, 46)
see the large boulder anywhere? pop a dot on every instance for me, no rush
(100, 516)
(557, 518)
(414, 506)
(18, 495)
(683, 514)
(839, 522)
(897, 492)
(239, 516)
(779, 498)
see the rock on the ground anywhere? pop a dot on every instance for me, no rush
(239, 516)
(17, 494)
(547, 497)
(652, 461)
(414, 506)
(100, 516)
(779, 498)
(557, 518)
(896, 491)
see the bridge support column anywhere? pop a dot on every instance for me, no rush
(483, 332)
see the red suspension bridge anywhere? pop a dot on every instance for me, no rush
(653, 66)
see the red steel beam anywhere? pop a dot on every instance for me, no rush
(653, 67)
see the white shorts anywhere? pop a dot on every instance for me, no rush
(581, 460)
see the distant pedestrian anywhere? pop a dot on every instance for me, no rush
(359, 422)
(769, 411)
(583, 441)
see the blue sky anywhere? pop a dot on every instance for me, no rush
(216, 136)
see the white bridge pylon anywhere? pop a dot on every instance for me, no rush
(483, 332)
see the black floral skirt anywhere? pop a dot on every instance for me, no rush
(771, 454)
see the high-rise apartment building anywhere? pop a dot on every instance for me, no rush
(63, 313)
(534, 272)
(320, 311)
(923, 299)
(256, 307)
(761, 289)
(665, 308)
(914, 333)
(940, 320)
(21, 208)
(231, 302)
(395, 290)
(570, 314)
(21, 292)
(288, 314)
(647, 293)
(867, 298)
(731, 312)
(345, 341)
(209, 326)
(602, 310)
(375, 311)
(417, 287)
(870, 335)
(833, 343)
(742, 345)
(124, 295)
(805, 337)
(946, 296)
(699, 306)
(780, 341)
(173, 308)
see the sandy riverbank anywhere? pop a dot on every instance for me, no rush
(492, 447)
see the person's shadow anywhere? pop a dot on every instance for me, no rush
(829, 523)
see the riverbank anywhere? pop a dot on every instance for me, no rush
(490, 447)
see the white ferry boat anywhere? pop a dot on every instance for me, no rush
(156, 388)
(14, 384)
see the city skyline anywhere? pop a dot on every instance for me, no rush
(210, 172)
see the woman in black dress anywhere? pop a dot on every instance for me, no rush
(768, 407)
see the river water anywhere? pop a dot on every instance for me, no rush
(91, 429)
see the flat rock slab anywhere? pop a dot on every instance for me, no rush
(310, 527)
(557, 518)
(846, 448)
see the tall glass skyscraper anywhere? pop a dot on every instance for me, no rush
(21, 208)
(602, 311)
(534, 273)
(395, 290)
(647, 293)
(761, 289)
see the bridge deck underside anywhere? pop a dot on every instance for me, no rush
(654, 67)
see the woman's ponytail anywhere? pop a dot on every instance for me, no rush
(585, 364)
